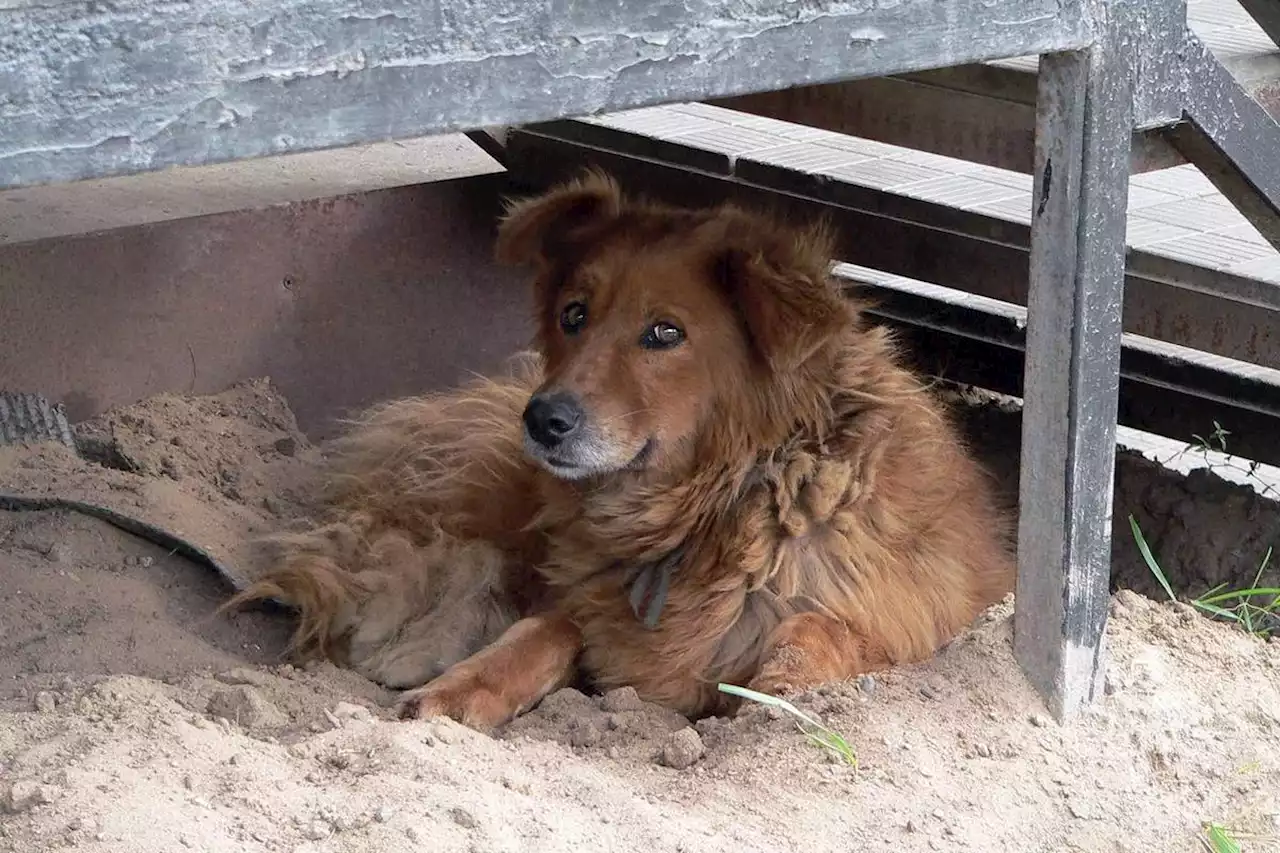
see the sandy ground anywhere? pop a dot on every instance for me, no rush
(131, 719)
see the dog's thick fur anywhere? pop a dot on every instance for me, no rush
(811, 506)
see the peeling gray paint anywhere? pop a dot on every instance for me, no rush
(1084, 127)
(102, 88)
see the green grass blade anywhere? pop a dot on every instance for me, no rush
(1217, 611)
(771, 701)
(1220, 840)
(835, 743)
(1238, 594)
(1150, 558)
(817, 733)
(1266, 558)
(1217, 589)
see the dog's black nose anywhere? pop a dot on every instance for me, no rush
(551, 418)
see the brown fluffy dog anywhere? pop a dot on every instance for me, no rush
(714, 470)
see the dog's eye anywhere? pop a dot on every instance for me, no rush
(573, 318)
(662, 336)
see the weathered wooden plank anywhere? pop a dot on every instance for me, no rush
(92, 90)
(1267, 14)
(986, 112)
(1230, 137)
(1083, 131)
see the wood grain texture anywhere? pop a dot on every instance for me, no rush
(1072, 372)
(1230, 137)
(90, 90)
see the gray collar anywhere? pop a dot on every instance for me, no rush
(650, 583)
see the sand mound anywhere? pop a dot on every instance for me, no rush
(131, 720)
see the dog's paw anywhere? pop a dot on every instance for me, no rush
(466, 700)
(779, 684)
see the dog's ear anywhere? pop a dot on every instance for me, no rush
(542, 230)
(778, 281)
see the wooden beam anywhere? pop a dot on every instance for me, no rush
(1083, 132)
(1267, 15)
(92, 90)
(1230, 137)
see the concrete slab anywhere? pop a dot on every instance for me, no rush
(59, 210)
(341, 302)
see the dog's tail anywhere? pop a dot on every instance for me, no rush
(318, 574)
(425, 499)
(397, 611)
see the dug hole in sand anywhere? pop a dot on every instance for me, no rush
(132, 719)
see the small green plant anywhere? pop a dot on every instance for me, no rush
(1212, 450)
(1236, 834)
(1217, 439)
(816, 732)
(1256, 609)
(1218, 839)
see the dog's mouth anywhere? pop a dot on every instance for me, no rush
(562, 467)
(570, 468)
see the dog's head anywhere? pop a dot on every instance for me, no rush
(656, 321)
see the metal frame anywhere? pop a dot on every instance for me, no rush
(986, 112)
(1229, 136)
(1164, 389)
(1146, 69)
(1173, 300)
(92, 91)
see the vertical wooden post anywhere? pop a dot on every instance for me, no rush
(1084, 126)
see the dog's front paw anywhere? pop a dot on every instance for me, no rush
(777, 683)
(466, 700)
